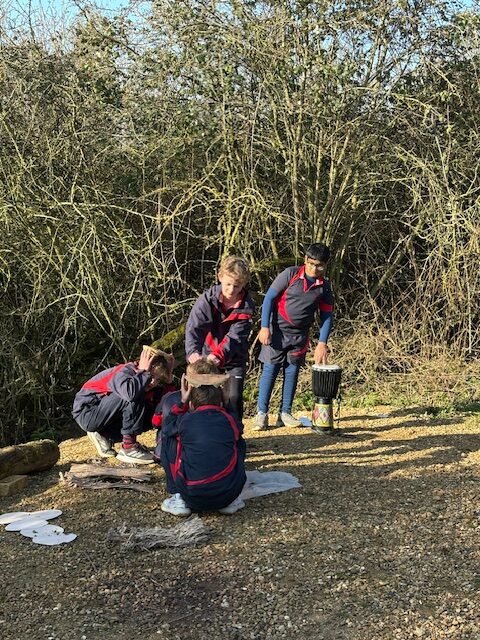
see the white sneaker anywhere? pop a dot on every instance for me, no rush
(287, 420)
(260, 421)
(176, 506)
(103, 445)
(233, 507)
(135, 455)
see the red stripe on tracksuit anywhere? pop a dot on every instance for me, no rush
(238, 316)
(302, 351)
(175, 468)
(157, 420)
(323, 306)
(210, 341)
(217, 350)
(178, 410)
(282, 302)
(101, 385)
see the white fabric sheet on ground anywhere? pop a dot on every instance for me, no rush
(263, 483)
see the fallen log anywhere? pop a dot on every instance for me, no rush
(91, 483)
(38, 455)
(95, 470)
(93, 476)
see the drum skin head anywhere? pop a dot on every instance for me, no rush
(326, 367)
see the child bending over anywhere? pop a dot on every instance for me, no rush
(219, 325)
(118, 404)
(202, 449)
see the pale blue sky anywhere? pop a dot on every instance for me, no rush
(59, 9)
(51, 12)
(110, 6)
(62, 5)
(49, 17)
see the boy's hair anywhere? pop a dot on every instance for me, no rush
(202, 366)
(206, 394)
(237, 267)
(161, 366)
(318, 252)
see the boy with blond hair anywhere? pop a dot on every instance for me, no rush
(219, 325)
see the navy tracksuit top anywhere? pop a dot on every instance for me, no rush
(205, 454)
(213, 329)
(297, 300)
(124, 381)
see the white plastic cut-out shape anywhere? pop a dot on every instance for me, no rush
(306, 422)
(47, 529)
(7, 518)
(61, 538)
(26, 523)
(47, 514)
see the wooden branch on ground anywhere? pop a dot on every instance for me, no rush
(91, 483)
(92, 470)
(89, 476)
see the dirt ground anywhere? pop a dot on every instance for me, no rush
(382, 543)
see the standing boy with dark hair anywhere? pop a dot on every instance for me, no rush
(288, 312)
(219, 325)
(202, 449)
(117, 404)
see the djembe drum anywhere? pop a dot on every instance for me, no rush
(326, 384)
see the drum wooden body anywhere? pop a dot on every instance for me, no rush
(326, 380)
(326, 384)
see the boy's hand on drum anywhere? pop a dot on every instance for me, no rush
(193, 357)
(264, 335)
(321, 353)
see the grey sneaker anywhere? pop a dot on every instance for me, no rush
(233, 507)
(176, 506)
(260, 421)
(103, 445)
(287, 420)
(135, 455)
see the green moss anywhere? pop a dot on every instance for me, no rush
(171, 340)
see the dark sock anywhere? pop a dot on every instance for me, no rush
(129, 441)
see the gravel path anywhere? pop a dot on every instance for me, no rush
(382, 543)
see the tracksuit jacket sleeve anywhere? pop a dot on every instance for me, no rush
(283, 279)
(129, 383)
(171, 422)
(199, 323)
(277, 287)
(326, 324)
(267, 306)
(326, 313)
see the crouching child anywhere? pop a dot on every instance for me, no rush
(118, 404)
(202, 449)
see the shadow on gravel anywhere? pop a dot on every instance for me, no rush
(394, 413)
(408, 424)
(367, 449)
(426, 411)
